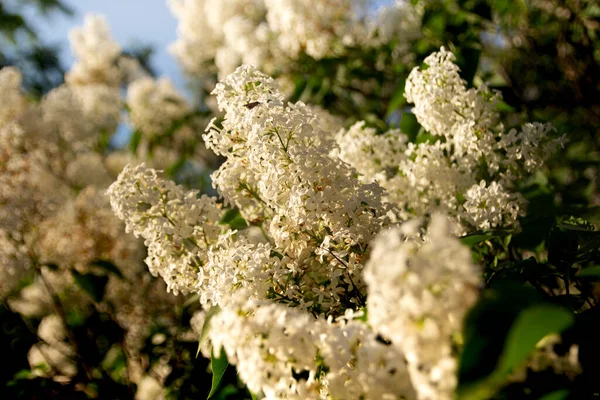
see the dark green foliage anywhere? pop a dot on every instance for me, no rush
(94, 285)
(22, 47)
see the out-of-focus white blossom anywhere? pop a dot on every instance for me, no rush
(273, 34)
(149, 389)
(32, 301)
(545, 358)
(155, 106)
(50, 361)
(88, 169)
(13, 101)
(418, 293)
(230, 32)
(318, 28)
(101, 106)
(53, 356)
(88, 222)
(96, 52)
(529, 148)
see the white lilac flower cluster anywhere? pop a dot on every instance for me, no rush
(322, 242)
(292, 284)
(178, 227)
(286, 353)
(316, 216)
(270, 33)
(421, 282)
(468, 168)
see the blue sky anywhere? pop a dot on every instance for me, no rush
(131, 21)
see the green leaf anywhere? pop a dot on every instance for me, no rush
(214, 310)
(108, 266)
(174, 168)
(423, 137)
(233, 218)
(531, 326)
(397, 99)
(469, 63)
(92, 284)
(487, 325)
(501, 332)
(218, 366)
(436, 22)
(134, 142)
(473, 239)
(503, 106)
(409, 125)
(557, 395)
(590, 272)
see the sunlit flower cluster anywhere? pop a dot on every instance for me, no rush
(311, 226)
(465, 166)
(327, 265)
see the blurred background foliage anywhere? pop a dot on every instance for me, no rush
(21, 46)
(542, 55)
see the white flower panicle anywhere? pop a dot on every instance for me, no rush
(282, 154)
(442, 100)
(273, 34)
(286, 353)
(279, 173)
(236, 263)
(530, 148)
(376, 157)
(155, 106)
(491, 206)
(97, 54)
(418, 293)
(468, 168)
(316, 199)
(177, 226)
